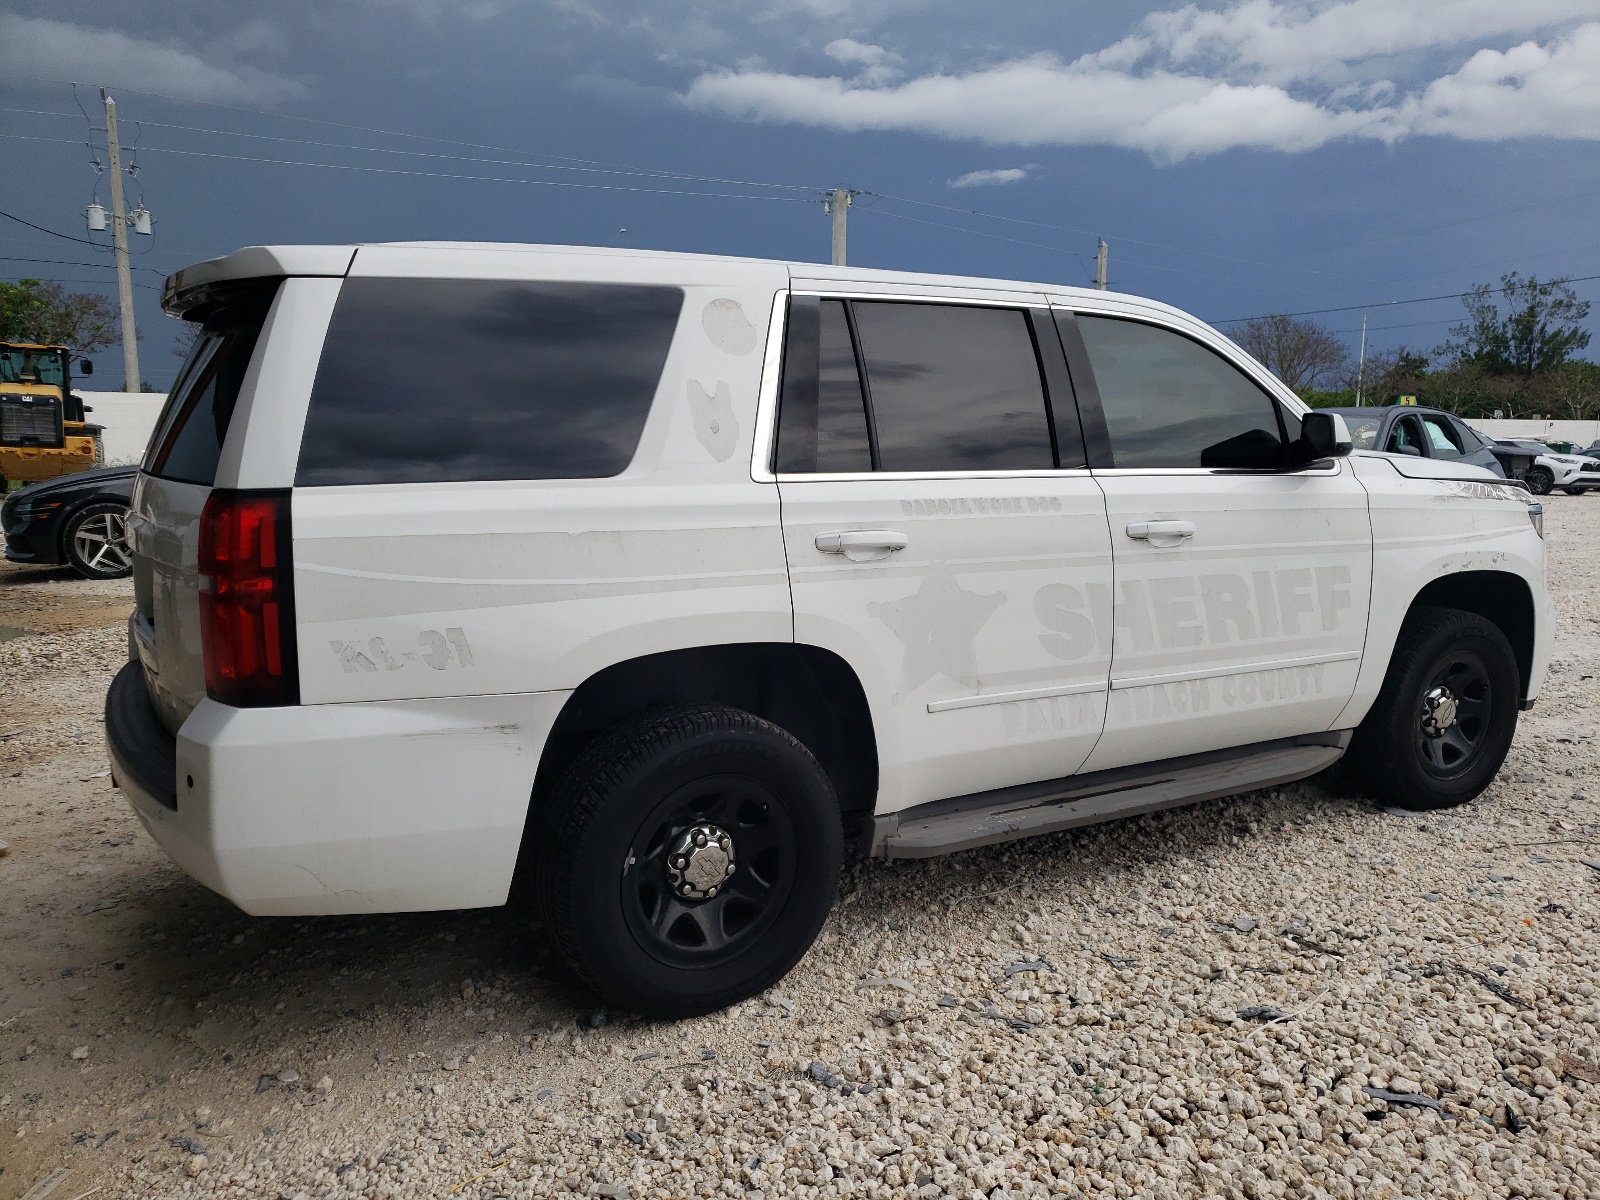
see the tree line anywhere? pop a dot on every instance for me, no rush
(1514, 355)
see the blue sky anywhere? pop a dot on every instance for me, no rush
(1238, 158)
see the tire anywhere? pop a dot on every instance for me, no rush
(96, 541)
(1541, 481)
(1574, 491)
(1450, 668)
(606, 880)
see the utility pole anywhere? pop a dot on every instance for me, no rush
(836, 207)
(1100, 265)
(119, 231)
(1361, 362)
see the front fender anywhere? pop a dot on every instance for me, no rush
(1428, 529)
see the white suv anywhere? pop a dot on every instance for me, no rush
(1574, 474)
(654, 579)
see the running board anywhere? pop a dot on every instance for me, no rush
(1006, 814)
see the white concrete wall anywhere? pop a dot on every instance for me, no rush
(1584, 433)
(129, 418)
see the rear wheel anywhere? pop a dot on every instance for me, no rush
(97, 542)
(1574, 491)
(687, 860)
(1443, 722)
(1541, 481)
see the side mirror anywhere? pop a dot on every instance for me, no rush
(1411, 450)
(1323, 435)
(85, 366)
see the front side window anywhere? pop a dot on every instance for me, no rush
(1405, 437)
(448, 380)
(1171, 402)
(946, 387)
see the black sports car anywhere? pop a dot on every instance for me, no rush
(78, 519)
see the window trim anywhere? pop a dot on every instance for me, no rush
(1089, 401)
(1033, 306)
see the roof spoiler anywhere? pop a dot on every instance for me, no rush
(191, 287)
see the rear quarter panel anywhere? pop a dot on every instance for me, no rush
(442, 589)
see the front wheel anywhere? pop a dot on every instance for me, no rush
(687, 860)
(1541, 481)
(97, 542)
(1444, 719)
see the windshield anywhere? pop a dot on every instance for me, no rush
(18, 365)
(1363, 431)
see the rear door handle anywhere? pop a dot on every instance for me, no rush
(1161, 533)
(862, 545)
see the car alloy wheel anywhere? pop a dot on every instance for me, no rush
(97, 542)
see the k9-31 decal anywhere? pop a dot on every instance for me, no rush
(435, 649)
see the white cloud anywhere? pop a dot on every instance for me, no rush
(31, 44)
(1260, 75)
(878, 65)
(1526, 91)
(848, 50)
(1284, 42)
(991, 178)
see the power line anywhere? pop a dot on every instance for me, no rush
(98, 283)
(427, 138)
(1312, 312)
(57, 262)
(556, 183)
(52, 232)
(596, 170)
(1133, 241)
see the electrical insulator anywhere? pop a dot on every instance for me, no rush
(141, 220)
(97, 218)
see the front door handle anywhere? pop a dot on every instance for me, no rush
(1161, 533)
(862, 545)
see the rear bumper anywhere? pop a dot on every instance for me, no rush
(392, 806)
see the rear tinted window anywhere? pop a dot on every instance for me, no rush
(434, 380)
(1171, 402)
(953, 388)
(823, 426)
(190, 431)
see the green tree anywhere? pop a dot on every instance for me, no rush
(1538, 333)
(46, 313)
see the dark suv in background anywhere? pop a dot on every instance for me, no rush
(1430, 433)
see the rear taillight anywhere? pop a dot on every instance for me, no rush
(247, 600)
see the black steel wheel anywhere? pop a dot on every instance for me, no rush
(1455, 714)
(687, 860)
(96, 541)
(1443, 721)
(1541, 481)
(708, 870)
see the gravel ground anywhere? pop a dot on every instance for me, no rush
(1285, 994)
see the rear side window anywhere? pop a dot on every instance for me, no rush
(945, 388)
(194, 423)
(824, 426)
(444, 380)
(1171, 402)
(954, 389)
(1442, 438)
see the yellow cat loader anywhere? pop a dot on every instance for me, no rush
(43, 432)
